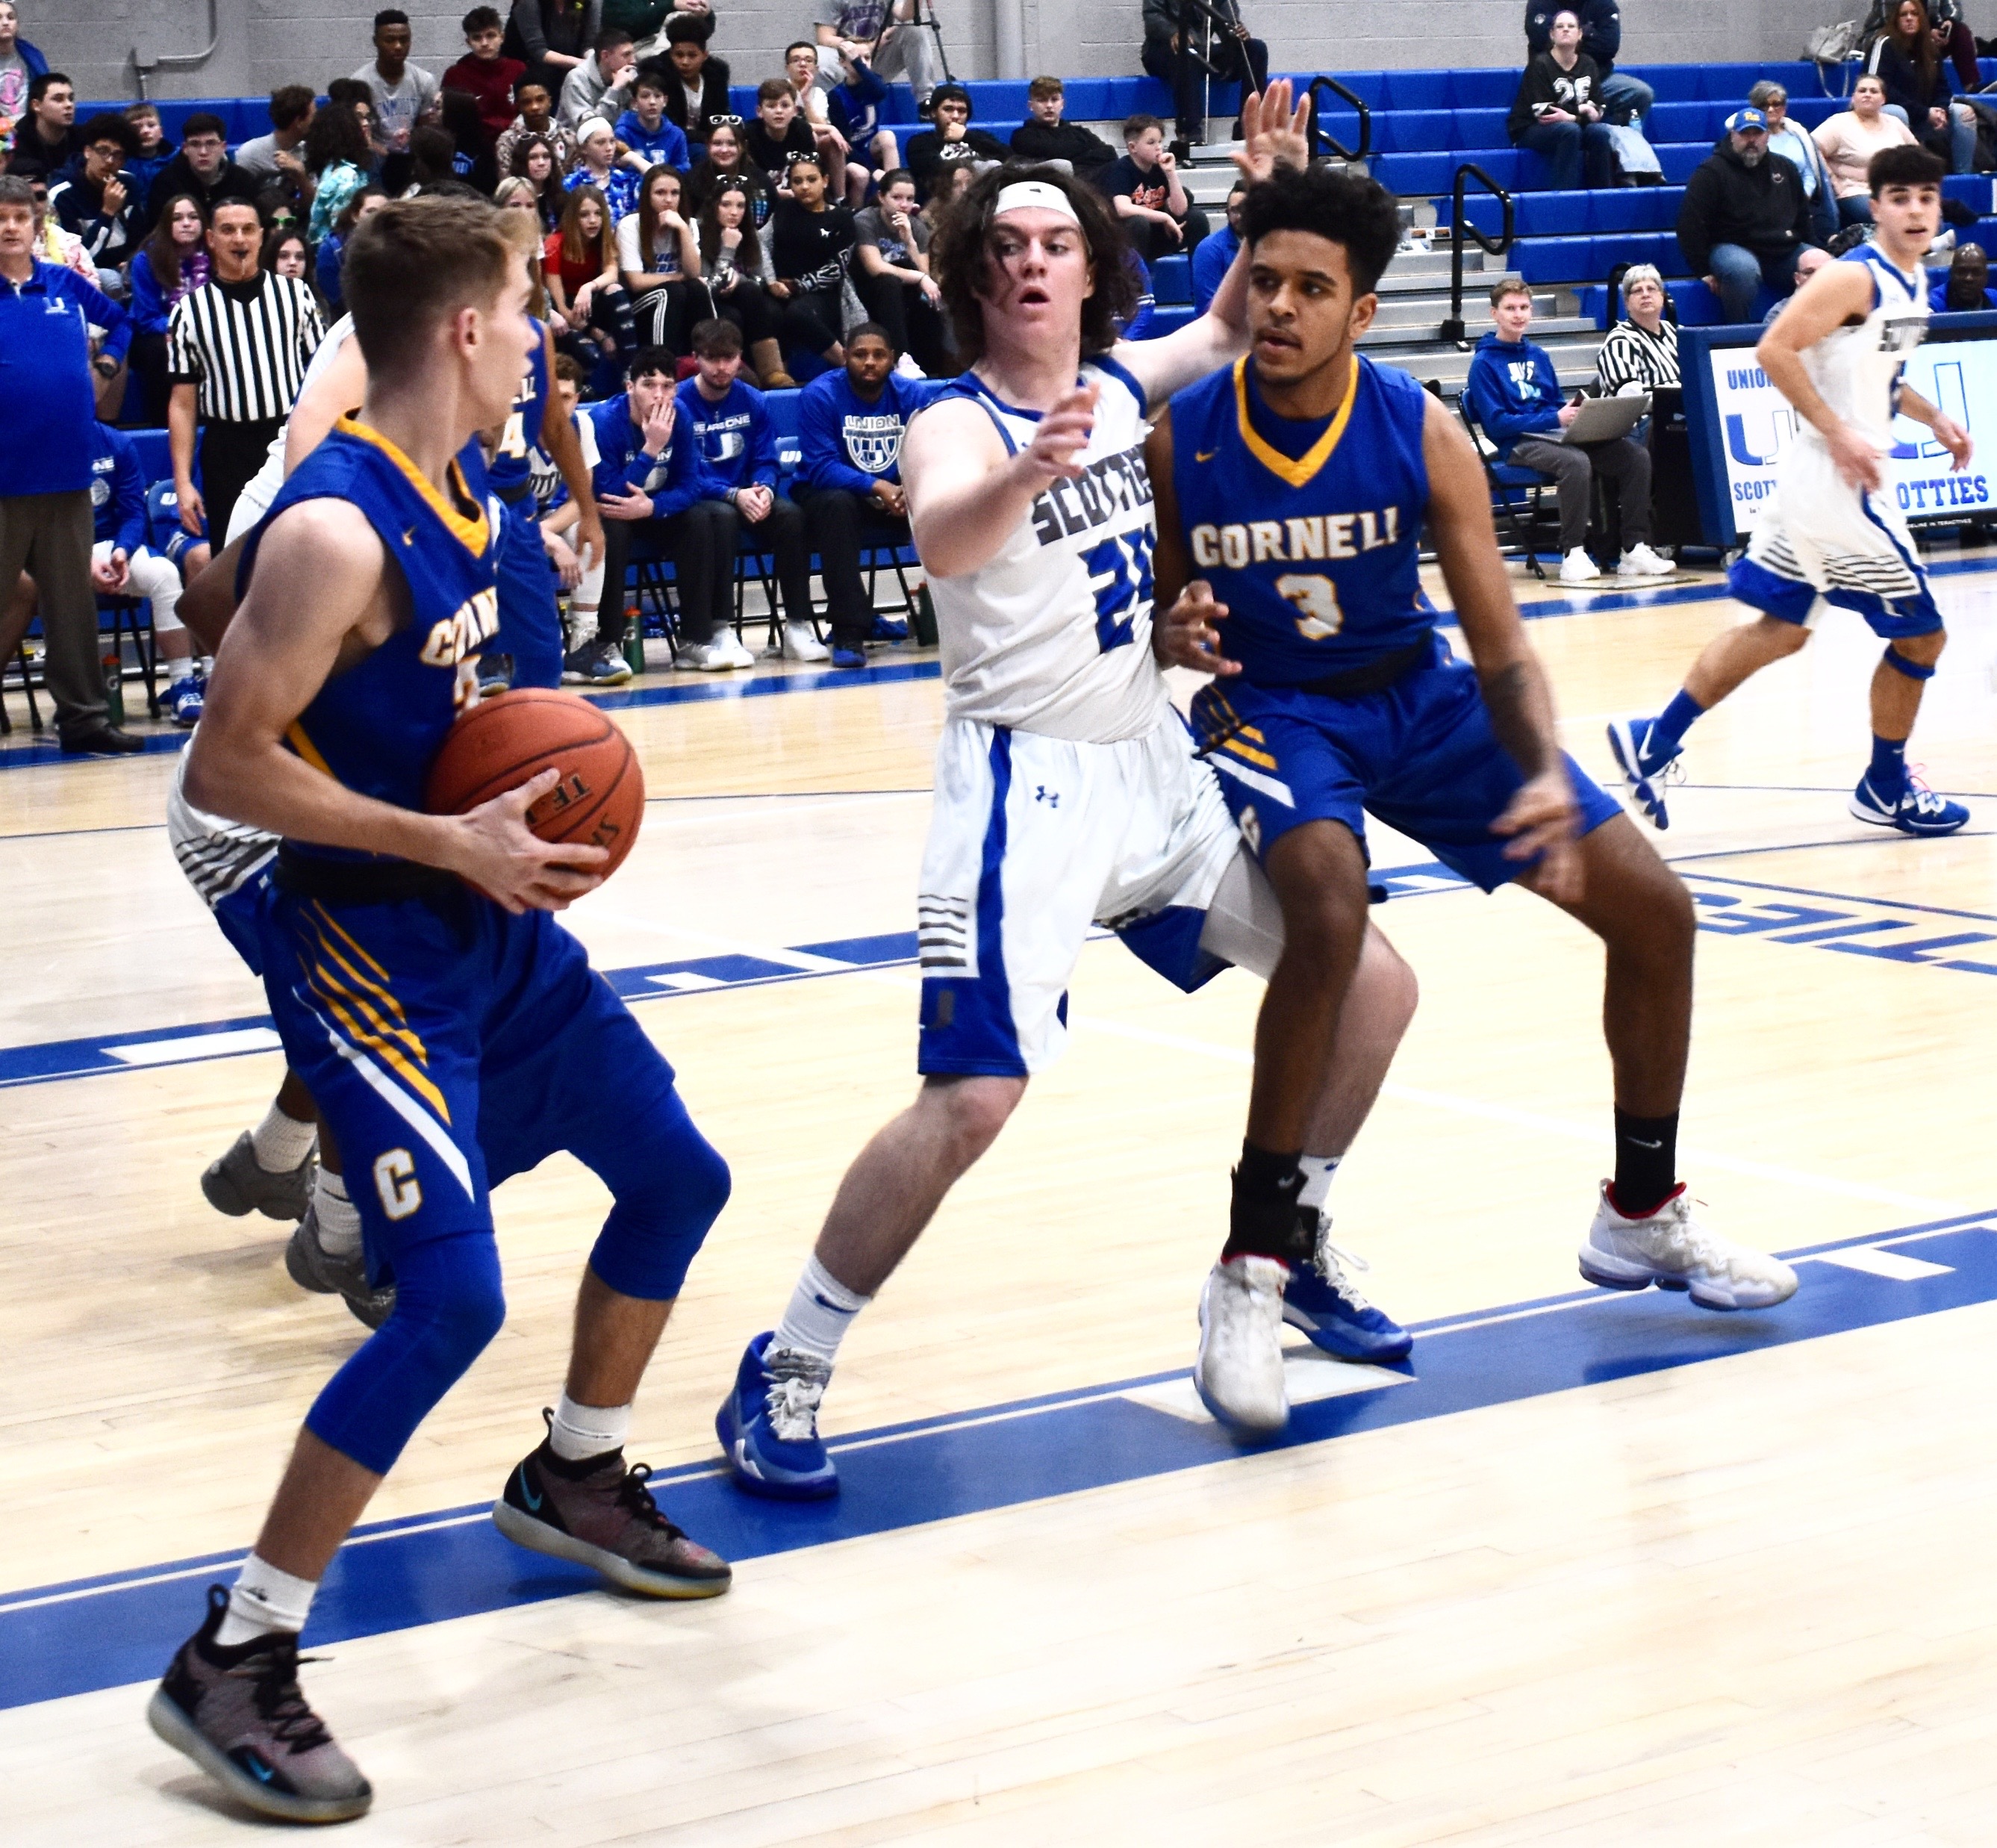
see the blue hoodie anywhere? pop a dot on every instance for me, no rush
(675, 480)
(1513, 392)
(666, 147)
(848, 443)
(736, 443)
(117, 489)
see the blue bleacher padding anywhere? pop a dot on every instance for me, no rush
(155, 459)
(1578, 259)
(1171, 280)
(1695, 304)
(1168, 320)
(1578, 214)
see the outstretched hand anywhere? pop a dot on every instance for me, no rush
(1185, 636)
(1063, 434)
(1274, 132)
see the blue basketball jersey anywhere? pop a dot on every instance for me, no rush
(1307, 531)
(509, 472)
(377, 727)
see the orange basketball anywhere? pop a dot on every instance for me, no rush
(509, 739)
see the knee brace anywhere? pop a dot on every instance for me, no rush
(449, 1305)
(1914, 670)
(670, 1185)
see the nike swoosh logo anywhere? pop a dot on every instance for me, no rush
(1639, 1141)
(1205, 455)
(260, 1771)
(527, 1495)
(833, 1307)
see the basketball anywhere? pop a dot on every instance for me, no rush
(509, 739)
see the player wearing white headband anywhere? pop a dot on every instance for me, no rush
(1066, 794)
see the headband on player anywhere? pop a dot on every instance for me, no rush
(1025, 195)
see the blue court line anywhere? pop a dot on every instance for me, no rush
(120, 1628)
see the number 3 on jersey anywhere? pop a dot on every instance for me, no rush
(1120, 573)
(1314, 598)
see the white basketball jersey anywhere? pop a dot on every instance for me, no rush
(1054, 634)
(262, 487)
(1856, 369)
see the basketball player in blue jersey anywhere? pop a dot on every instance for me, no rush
(1067, 793)
(1293, 489)
(446, 1026)
(1832, 531)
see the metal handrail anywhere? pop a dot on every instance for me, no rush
(1459, 230)
(1321, 140)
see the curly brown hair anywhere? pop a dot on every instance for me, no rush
(959, 255)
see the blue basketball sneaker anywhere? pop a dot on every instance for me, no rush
(1917, 810)
(1320, 1300)
(1643, 767)
(887, 628)
(768, 1424)
(183, 701)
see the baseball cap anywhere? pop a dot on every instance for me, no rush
(1743, 118)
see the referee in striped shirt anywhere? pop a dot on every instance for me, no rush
(237, 352)
(1641, 351)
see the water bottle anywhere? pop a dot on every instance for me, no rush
(114, 688)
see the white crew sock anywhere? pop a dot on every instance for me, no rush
(262, 1601)
(581, 1431)
(281, 1143)
(1318, 1171)
(821, 1310)
(177, 672)
(339, 1218)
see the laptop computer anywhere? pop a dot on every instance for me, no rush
(1603, 419)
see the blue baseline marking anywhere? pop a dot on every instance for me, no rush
(117, 1628)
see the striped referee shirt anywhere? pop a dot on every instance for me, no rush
(246, 344)
(1629, 356)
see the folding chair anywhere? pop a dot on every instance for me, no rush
(1516, 493)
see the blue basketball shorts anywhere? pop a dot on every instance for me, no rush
(1420, 756)
(531, 627)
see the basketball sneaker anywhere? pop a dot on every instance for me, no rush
(1640, 561)
(1240, 1374)
(596, 663)
(715, 657)
(1917, 810)
(599, 1512)
(848, 658)
(1320, 1300)
(799, 644)
(1579, 568)
(237, 1183)
(329, 1273)
(1643, 767)
(240, 1715)
(888, 628)
(1670, 1248)
(184, 700)
(768, 1424)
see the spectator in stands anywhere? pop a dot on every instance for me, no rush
(1621, 96)
(153, 149)
(849, 428)
(779, 134)
(405, 94)
(1963, 288)
(642, 18)
(734, 448)
(811, 246)
(1557, 112)
(47, 415)
(1514, 395)
(202, 167)
(596, 142)
(536, 117)
(736, 274)
(485, 74)
(172, 261)
(1145, 190)
(98, 200)
(658, 260)
(20, 64)
(1953, 38)
(46, 140)
(648, 136)
(1744, 218)
(1228, 46)
(551, 37)
(579, 271)
(891, 274)
(433, 165)
(237, 352)
(853, 107)
(950, 182)
(1849, 139)
(1906, 59)
(337, 155)
(286, 252)
(280, 154)
(1791, 142)
(1045, 136)
(801, 68)
(1640, 352)
(698, 98)
(332, 247)
(1216, 254)
(595, 87)
(123, 565)
(725, 159)
(53, 244)
(883, 35)
(1809, 260)
(952, 140)
(533, 161)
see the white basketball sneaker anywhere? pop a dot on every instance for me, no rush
(1670, 1248)
(1640, 561)
(1579, 568)
(1240, 1374)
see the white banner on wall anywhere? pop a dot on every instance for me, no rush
(1757, 425)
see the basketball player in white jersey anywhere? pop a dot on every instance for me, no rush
(1832, 530)
(1066, 794)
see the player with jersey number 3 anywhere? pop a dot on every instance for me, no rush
(1066, 794)
(1293, 489)
(1833, 529)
